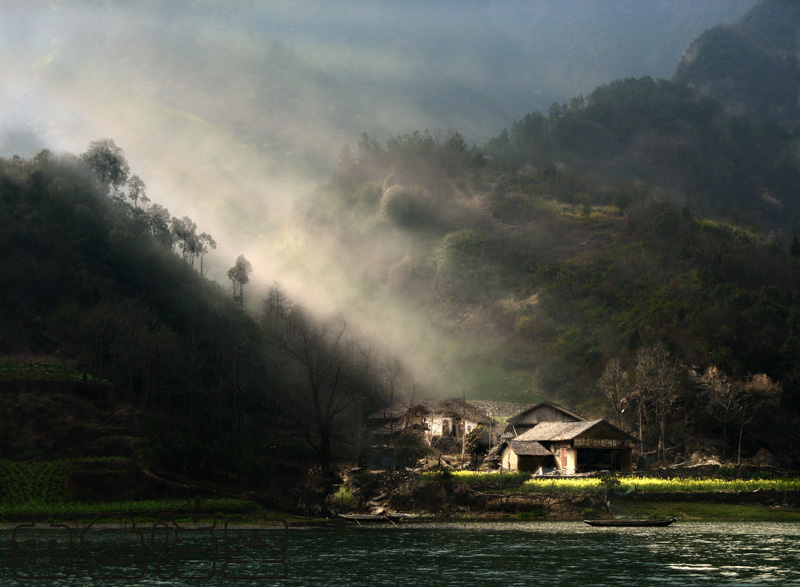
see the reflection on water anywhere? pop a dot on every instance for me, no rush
(552, 554)
(519, 553)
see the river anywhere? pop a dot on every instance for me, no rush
(458, 553)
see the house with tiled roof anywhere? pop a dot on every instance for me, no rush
(440, 423)
(432, 417)
(570, 445)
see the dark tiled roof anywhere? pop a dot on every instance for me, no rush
(556, 431)
(529, 448)
(500, 411)
(447, 407)
(552, 431)
(518, 417)
(391, 429)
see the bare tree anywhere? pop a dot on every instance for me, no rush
(657, 387)
(330, 369)
(758, 391)
(721, 391)
(614, 384)
(739, 401)
(332, 364)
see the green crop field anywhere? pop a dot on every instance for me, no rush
(23, 483)
(38, 488)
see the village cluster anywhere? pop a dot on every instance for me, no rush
(541, 439)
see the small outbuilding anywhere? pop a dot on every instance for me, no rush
(524, 456)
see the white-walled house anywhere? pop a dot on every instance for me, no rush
(441, 423)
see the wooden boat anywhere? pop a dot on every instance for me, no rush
(632, 523)
(368, 518)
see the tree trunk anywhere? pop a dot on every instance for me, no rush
(641, 434)
(724, 438)
(739, 454)
(324, 448)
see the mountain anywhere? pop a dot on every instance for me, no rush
(666, 134)
(750, 67)
(640, 221)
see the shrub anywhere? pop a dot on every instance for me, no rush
(409, 448)
(536, 513)
(443, 477)
(609, 481)
(408, 206)
(344, 499)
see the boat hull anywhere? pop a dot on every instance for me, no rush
(370, 518)
(631, 523)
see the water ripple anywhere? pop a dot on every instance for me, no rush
(535, 553)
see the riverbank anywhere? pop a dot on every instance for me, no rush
(765, 496)
(742, 507)
(757, 495)
(688, 510)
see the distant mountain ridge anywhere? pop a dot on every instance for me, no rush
(752, 67)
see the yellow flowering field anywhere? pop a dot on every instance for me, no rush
(479, 479)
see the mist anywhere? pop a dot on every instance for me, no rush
(233, 112)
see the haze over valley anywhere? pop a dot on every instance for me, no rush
(267, 219)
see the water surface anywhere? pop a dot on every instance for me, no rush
(483, 553)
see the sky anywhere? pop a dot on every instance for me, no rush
(232, 111)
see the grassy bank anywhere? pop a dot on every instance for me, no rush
(707, 511)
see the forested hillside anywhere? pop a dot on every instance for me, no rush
(580, 239)
(666, 135)
(563, 250)
(107, 285)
